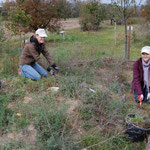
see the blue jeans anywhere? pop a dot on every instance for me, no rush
(145, 92)
(33, 72)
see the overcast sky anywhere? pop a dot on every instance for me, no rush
(108, 1)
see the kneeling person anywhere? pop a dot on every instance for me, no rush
(31, 65)
(141, 76)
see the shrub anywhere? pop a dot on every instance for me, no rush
(133, 20)
(134, 37)
(91, 15)
(51, 125)
(10, 64)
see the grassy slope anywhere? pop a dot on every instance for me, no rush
(82, 119)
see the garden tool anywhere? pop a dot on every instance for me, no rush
(19, 71)
(140, 97)
(52, 72)
(86, 86)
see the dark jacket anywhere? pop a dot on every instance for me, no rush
(31, 54)
(138, 81)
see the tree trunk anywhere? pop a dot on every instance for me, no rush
(125, 25)
(111, 21)
(129, 38)
(20, 43)
(115, 32)
(126, 39)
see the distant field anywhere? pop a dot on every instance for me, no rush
(94, 44)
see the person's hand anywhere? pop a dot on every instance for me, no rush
(51, 71)
(55, 67)
(140, 97)
(148, 96)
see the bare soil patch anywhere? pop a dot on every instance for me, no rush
(70, 24)
(28, 137)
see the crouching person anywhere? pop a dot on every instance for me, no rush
(31, 65)
(141, 76)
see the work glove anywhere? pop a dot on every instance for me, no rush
(148, 96)
(55, 67)
(140, 97)
(51, 71)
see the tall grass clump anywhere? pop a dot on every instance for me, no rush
(51, 124)
(70, 86)
(12, 145)
(10, 63)
(102, 141)
(5, 113)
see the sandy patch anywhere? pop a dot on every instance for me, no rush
(73, 104)
(28, 137)
(28, 99)
(70, 24)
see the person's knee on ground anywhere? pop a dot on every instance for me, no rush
(34, 77)
(40, 70)
(44, 74)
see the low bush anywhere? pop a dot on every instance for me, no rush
(10, 65)
(91, 15)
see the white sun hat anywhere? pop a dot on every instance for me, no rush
(145, 49)
(41, 32)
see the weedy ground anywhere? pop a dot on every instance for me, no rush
(34, 117)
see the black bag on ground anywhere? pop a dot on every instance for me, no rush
(136, 134)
